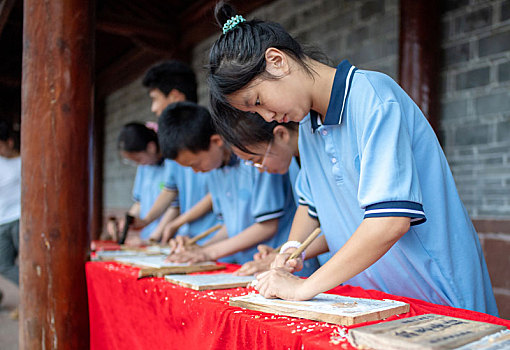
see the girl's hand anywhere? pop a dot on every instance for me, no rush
(169, 231)
(180, 244)
(134, 241)
(255, 266)
(138, 224)
(195, 255)
(281, 262)
(263, 251)
(278, 283)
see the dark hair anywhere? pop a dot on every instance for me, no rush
(9, 131)
(252, 129)
(184, 126)
(172, 75)
(238, 56)
(134, 137)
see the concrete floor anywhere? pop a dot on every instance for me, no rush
(8, 327)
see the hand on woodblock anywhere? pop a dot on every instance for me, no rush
(279, 283)
(256, 266)
(263, 251)
(180, 244)
(195, 254)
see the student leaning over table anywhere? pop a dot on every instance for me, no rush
(256, 207)
(138, 145)
(170, 82)
(372, 170)
(273, 148)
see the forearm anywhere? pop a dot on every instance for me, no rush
(163, 201)
(218, 237)
(135, 209)
(249, 237)
(317, 247)
(203, 207)
(170, 214)
(373, 238)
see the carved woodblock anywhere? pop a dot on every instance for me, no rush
(325, 307)
(155, 265)
(209, 282)
(422, 332)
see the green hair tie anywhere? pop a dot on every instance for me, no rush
(232, 22)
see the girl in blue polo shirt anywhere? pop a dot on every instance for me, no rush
(372, 170)
(138, 145)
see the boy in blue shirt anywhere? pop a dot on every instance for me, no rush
(256, 207)
(170, 82)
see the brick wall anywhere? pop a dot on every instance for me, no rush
(131, 103)
(475, 123)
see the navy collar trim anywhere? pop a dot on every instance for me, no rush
(339, 94)
(233, 161)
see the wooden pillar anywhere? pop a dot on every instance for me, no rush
(57, 110)
(96, 169)
(419, 68)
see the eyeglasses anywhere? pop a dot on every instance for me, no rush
(260, 165)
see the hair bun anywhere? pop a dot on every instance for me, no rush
(223, 12)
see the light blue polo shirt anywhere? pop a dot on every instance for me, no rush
(149, 181)
(375, 156)
(243, 196)
(192, 188)
(309, 265)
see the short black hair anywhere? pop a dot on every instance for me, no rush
(10, 131)
(184, 126)
(170, 75)
(249, 130)
(134, 137)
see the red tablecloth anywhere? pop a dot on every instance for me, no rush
(126, 313)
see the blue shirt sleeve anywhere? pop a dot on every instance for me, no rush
(170, 170)
(269, 197)
(137, 186)
(389, 183)
(302, 188)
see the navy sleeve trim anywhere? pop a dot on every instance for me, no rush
(302, 201)
(269, 216)
(170, 188)
(313, 212)
(397, 208)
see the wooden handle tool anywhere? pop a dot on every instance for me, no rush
(204, 234)
(305, 244)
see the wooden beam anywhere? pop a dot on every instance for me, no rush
(5, 10)
(419, 64)
(57, 109)
(134, 27)
(123, 71)
(198, 22)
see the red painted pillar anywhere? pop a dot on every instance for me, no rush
(57, 100)
(419, 68)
